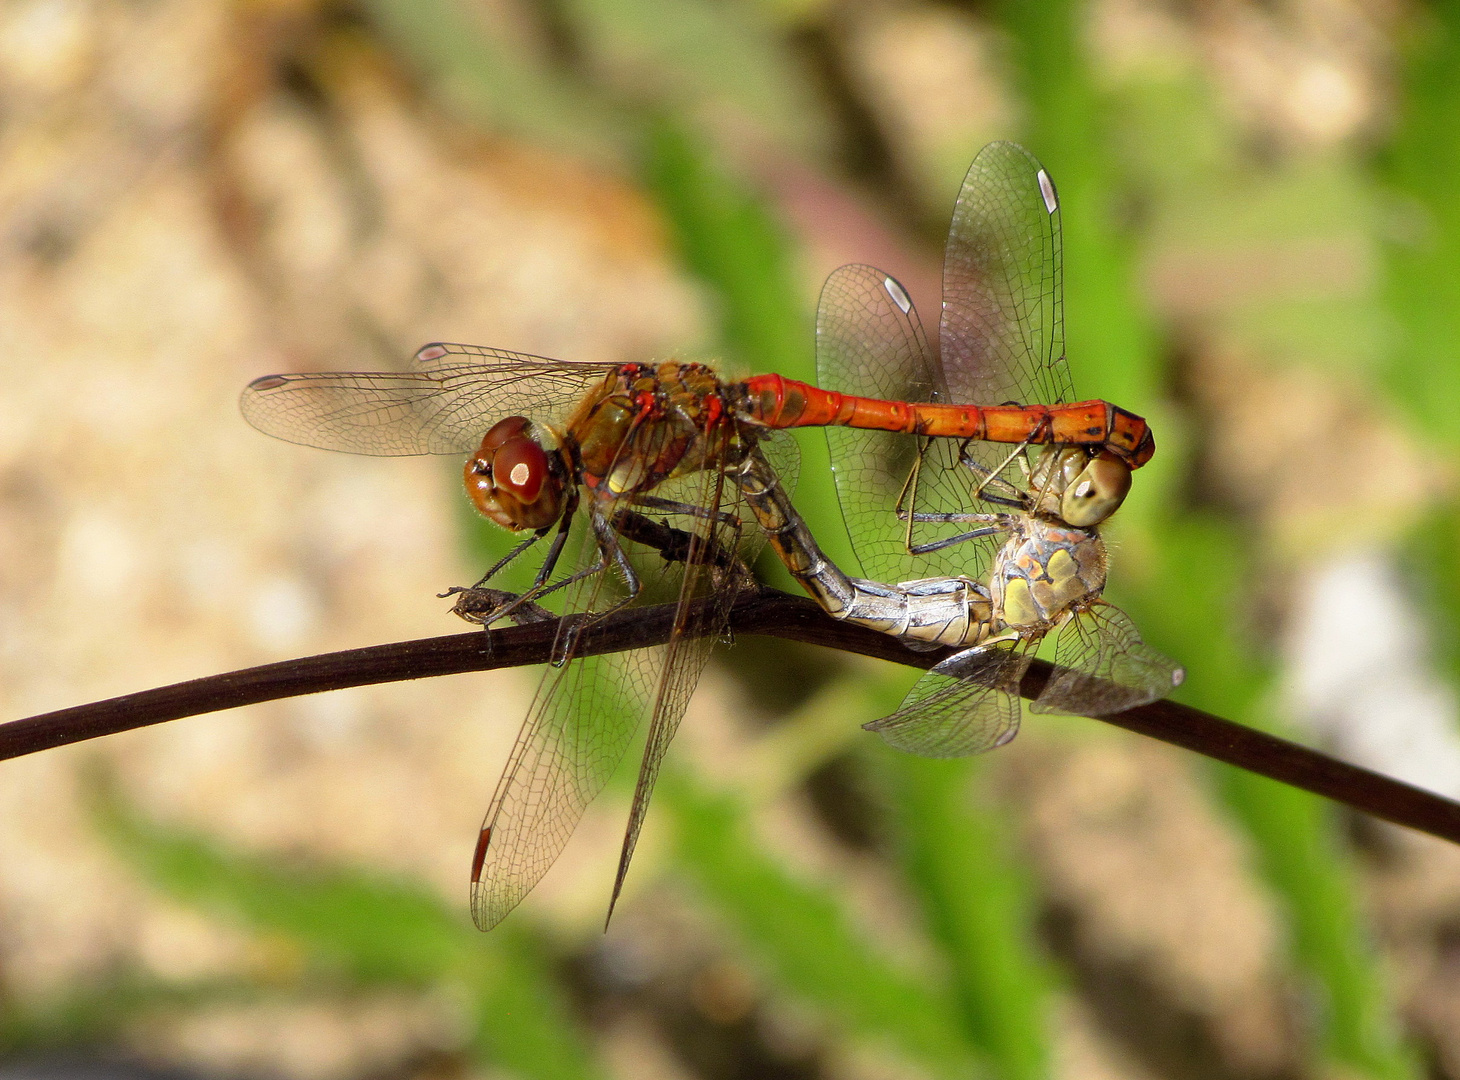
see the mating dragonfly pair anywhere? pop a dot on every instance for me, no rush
(976, 519)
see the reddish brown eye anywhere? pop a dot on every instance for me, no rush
(510, 478)
(501, 431)
(520, 466)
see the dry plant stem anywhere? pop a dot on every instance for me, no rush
(762, 612)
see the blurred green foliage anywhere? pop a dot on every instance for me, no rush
(1204, 561)
(346, 931)
(1419, 177)
(806, 938)
(956, 850)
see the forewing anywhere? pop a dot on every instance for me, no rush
(870, 342)
(444, 406)
(709, 587)
(1002, 331)
(581, 721)
(966, 705)
(1104, 667)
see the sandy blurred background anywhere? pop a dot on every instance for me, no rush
(1263, 256)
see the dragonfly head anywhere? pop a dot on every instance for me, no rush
(1096, 490)
(511, 479)
(1081, 485)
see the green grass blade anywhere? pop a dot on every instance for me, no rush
(803, 935)
(957, 858)
(729, 237)
(707, 58)
(494, 81)
(1202, 568)
(1420, 168)
(366, 929)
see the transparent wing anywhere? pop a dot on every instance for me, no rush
(581, 722)
(870, 342)
(967, 704)
(1002, 331)
(781, 453)
(1105, 667)
(443, 406)
(869, 338)
(710, 585)
(693, 542)
(1001, 339)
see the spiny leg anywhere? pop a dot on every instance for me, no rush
(993, 525)
(477, 586)
(949, 541)
(537, 589)
(673, 506)
(609, 551)
(991, 474)
(1011, 497)
(509, 557)
(910, 492)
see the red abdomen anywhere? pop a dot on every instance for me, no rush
(778, 402)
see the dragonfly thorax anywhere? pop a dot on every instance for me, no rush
(647, 423)
(513, 480)
(1046, 571)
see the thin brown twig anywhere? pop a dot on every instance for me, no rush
(760, 612)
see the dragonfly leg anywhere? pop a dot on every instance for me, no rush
(1004, 522)
(475, 598)
(673, 506)
(993, 476)
(610, 551)
(1008, 494)
(1000, 500)
(949, 541)
(993, 525)
(614, 552)
(549, 564)
(480, 606)
(510, 556)
(599, 566)
(909, 492)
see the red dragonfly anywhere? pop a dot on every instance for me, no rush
(616, 444)
(611, 459)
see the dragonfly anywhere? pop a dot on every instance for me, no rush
(638, 456)
(994, 550)
(618, 460)
(612, 461)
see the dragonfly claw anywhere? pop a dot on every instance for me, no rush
(486, 606)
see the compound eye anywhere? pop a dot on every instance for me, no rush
(1096, 492)
(501, 431)
(482, 491)
(520, 467)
